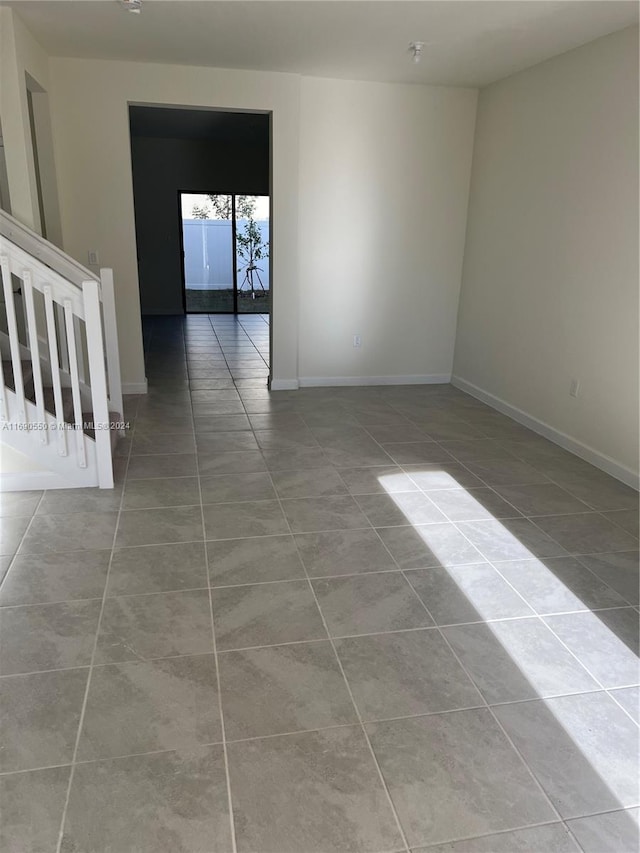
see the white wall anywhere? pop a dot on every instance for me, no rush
(90, 122)
(550, 282)
(19, 54)
(384, 180)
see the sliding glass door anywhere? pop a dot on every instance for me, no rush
(225, 246)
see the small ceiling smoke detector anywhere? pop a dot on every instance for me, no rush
(416, 48)
(134, 6)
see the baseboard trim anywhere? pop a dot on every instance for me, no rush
(135, 387)
(328, 381)
(30, 481)
(584, 451)
(284, 385)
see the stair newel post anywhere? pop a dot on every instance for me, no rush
(52, 340)
(34, 347)
(111, 341)
(14, 340)
(75, 383)
(99, 398)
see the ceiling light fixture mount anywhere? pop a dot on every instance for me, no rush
(134, 6)
(416, 48)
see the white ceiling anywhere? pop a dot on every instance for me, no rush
(468, 42)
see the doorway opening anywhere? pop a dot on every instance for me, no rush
(225, 253)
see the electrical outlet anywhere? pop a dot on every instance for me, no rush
(93, 257)
(357, 340)
(574, 388)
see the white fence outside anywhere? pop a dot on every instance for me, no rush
(208, 254)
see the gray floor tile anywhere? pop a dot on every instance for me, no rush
(399, 508)
(39, 578)
(517, 659)
(227, 488)
(265, 614)
(589, 533)
(212, 384)
(171, 491)
(301, 459)
(628, 519)
(606, 641)
(559, 584)
(285, 438)
(405, 673)
(428, 545)
(236, 520)
(506, 472)
(161, 443)
(475, 450)
(413, 452)
(550, 838)
(19, 503)
(257, 560)
(225, 442)
(342, 552)
(76, 532)
(400, 432)
(629, 698)
(5, 562)
(377, 480)
(40, 715)
(322, 785)
(472, 504)
(443, 475)
(176, 424)
(219, 407)
(583, 749)
(598, 490)
(67, 501)
(157, 568)
(139, 627)
(316, 482)
(466, 594)
(450, 801)
(308, 515)
(511, 539)
(368, 603)
(159, 526)
(222, 423)
(147, 706)
(32, 805)
(283, 689)
(541, 499)
(249, 462)
(619, 570)
(165, 465)
(168, 803)
(47, 636)
(615, 832)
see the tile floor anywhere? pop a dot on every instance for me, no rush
(342, 619)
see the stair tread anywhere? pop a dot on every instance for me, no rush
(49, 400)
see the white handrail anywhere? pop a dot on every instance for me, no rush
(72, 340)
(47, 253)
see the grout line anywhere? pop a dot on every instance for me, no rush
(348, 688)
(218, 683)
(93, 654)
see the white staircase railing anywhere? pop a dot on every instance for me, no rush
(61, 412)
